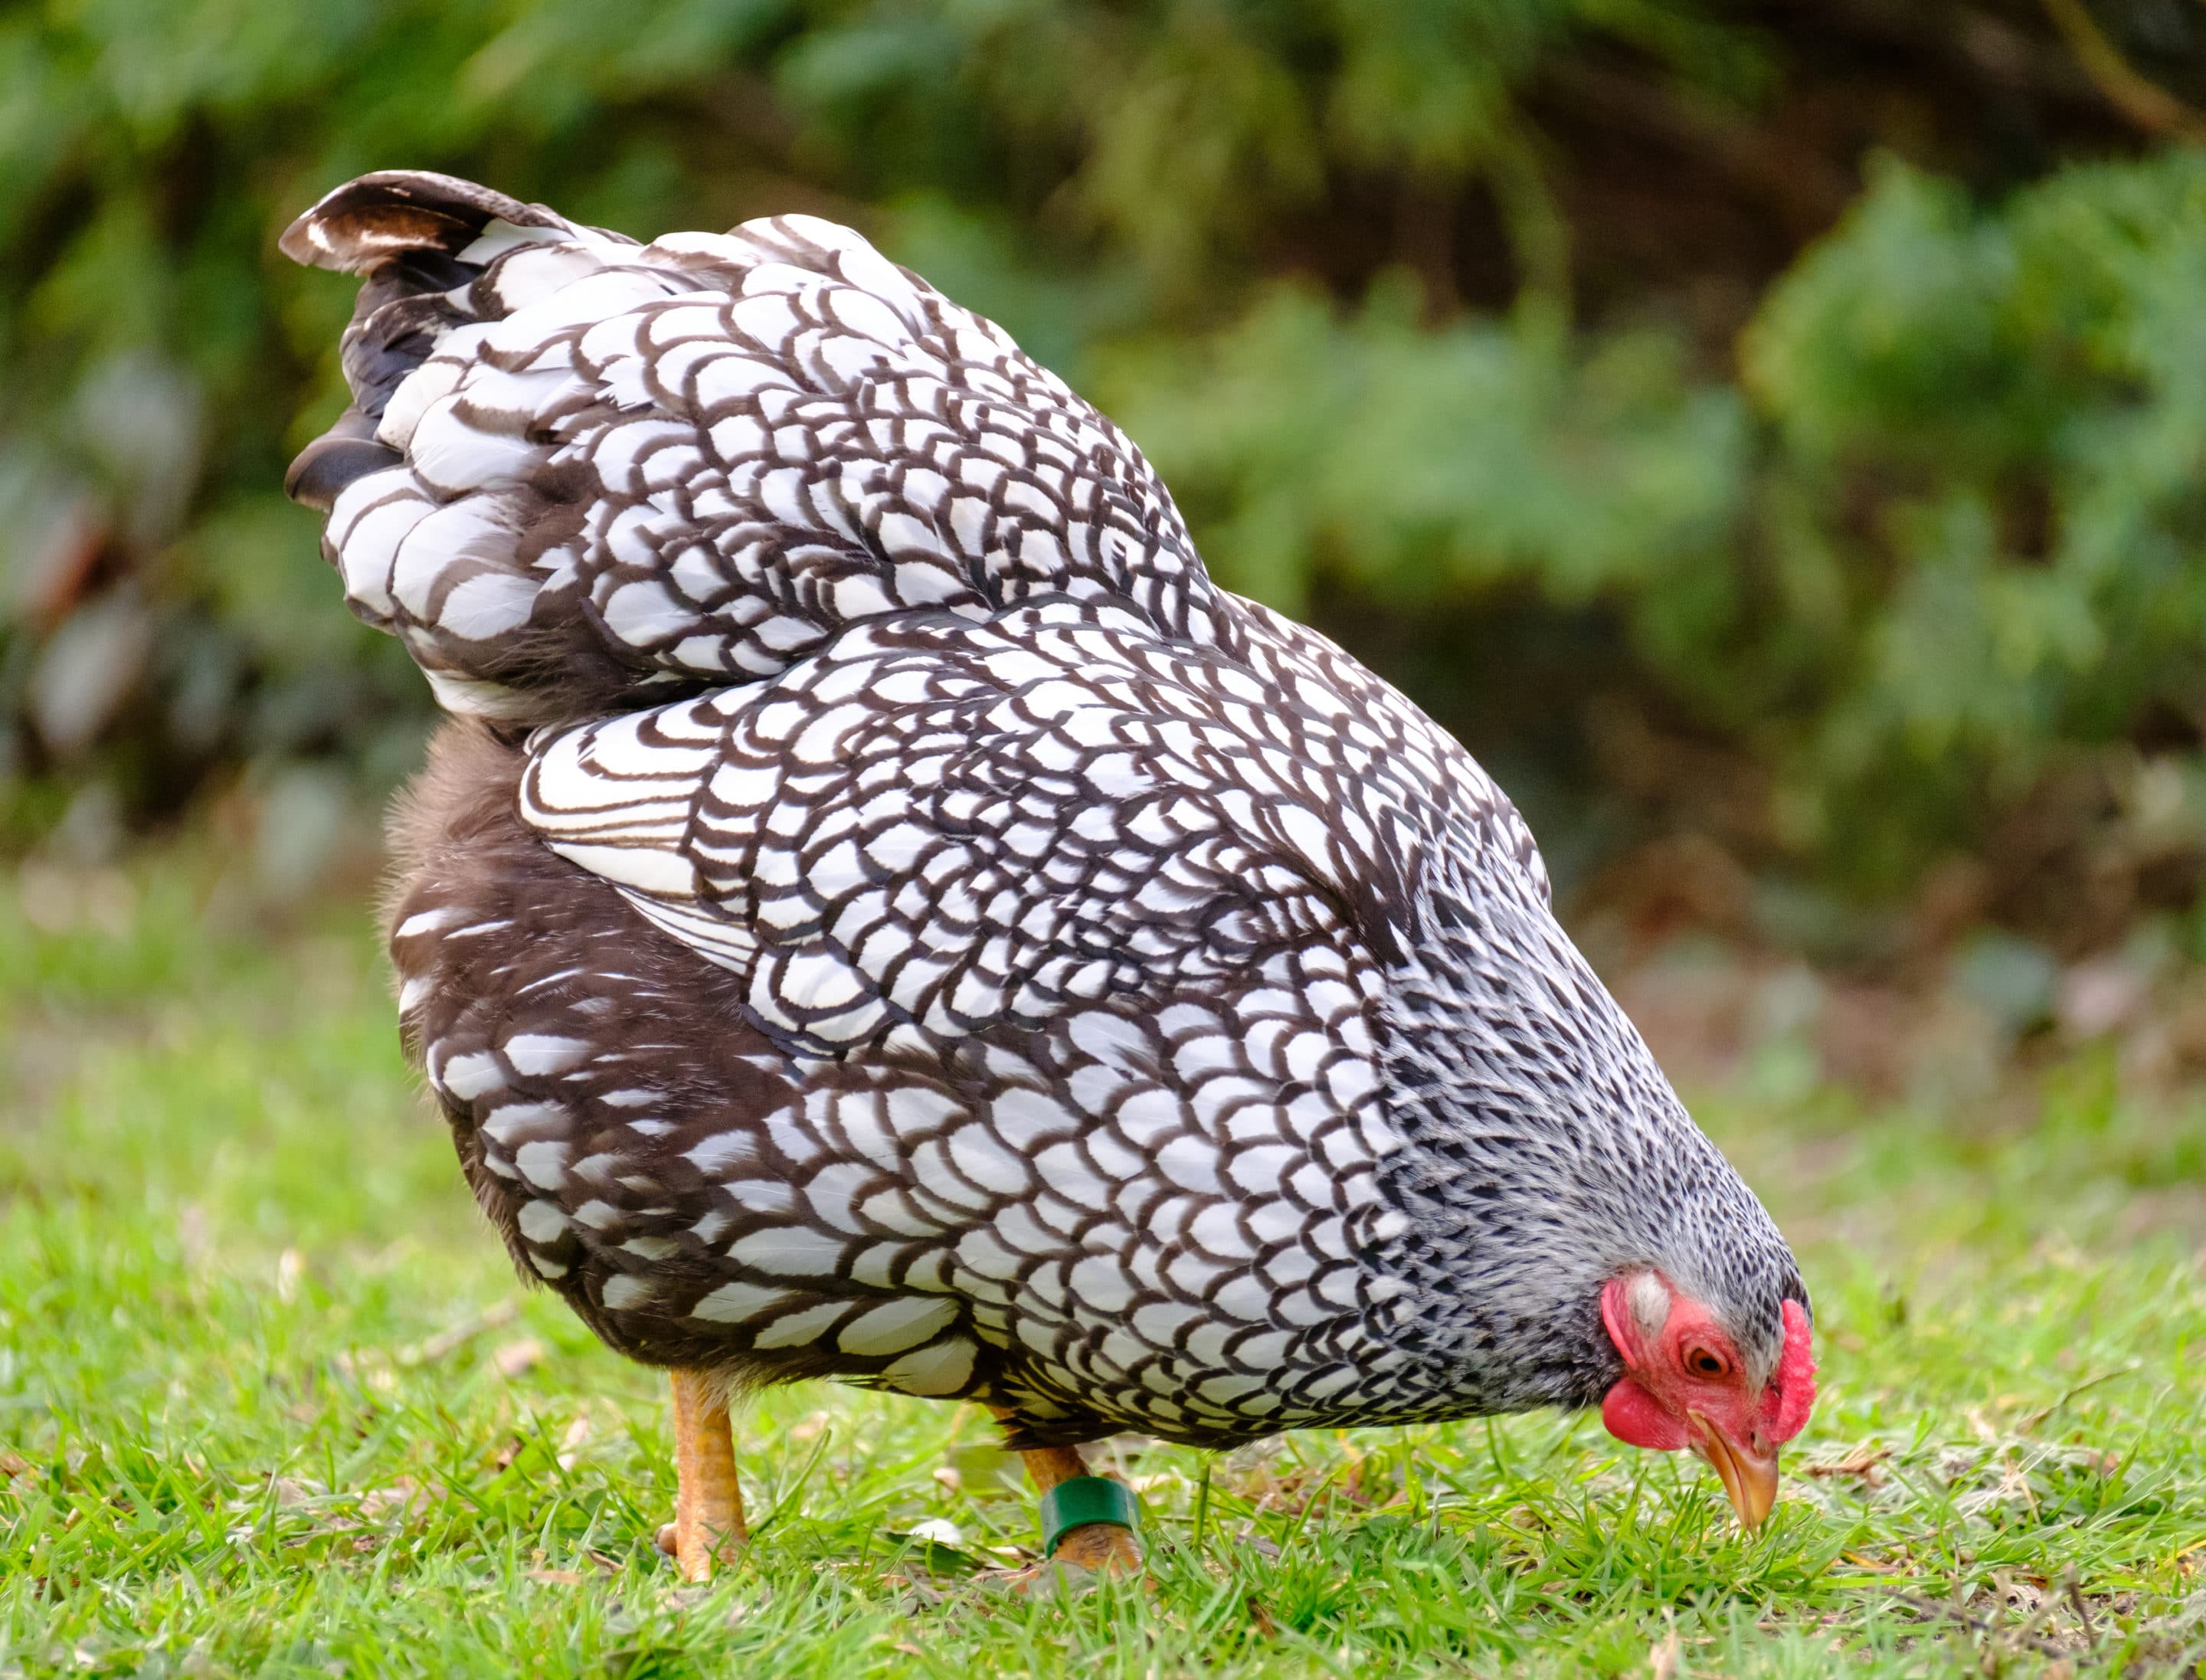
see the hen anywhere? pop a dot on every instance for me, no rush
(881, 912)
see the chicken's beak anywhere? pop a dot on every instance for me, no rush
(1750, 1477)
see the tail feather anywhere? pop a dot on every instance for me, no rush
(401, 213)
(420, 240)
(575, 470)
(347, 451)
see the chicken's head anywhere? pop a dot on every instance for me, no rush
(1684, 1385)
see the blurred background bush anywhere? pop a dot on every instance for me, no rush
(1771, 436)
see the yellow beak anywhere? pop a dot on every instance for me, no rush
(1750, 1482)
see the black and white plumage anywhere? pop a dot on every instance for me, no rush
(885, 914)
(576, 467)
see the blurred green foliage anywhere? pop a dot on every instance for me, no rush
(1785, 429)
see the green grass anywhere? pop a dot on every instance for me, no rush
(273, 1403)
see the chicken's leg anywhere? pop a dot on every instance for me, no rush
(1107, 1547)
(708, 1505)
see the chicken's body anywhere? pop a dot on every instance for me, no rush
(890, 916)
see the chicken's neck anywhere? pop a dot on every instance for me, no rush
(1541, 1152)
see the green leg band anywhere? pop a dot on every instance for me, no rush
(1081, 1500)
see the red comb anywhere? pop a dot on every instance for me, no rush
(1786, 1412)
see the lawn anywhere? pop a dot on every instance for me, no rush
(271, 1402)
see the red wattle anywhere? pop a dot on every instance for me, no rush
(1636, 1418)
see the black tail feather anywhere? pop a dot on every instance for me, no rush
(395, 213)
(348, 450)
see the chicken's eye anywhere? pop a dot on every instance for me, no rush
(1703, 1360)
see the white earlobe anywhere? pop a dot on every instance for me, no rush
(1649, 1299)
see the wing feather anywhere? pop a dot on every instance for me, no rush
(959, 825)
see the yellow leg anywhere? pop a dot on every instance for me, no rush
(708, 1505)
(1104, 1547)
